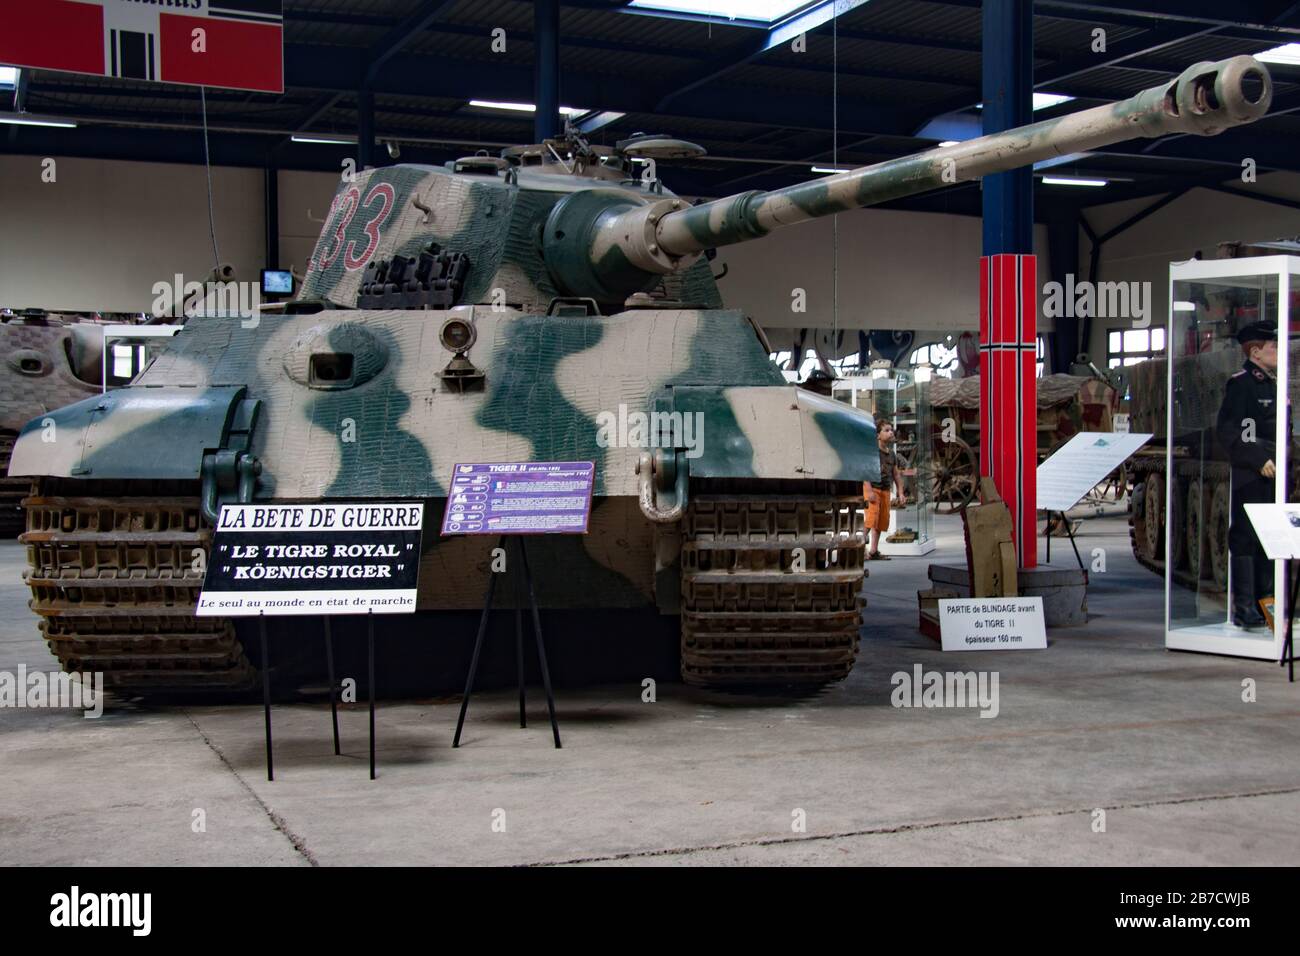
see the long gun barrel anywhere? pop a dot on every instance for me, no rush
(627, 245)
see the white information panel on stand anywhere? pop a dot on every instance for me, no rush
(1081, 464)
(1278, 529)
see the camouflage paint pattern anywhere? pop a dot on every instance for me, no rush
(396, 431)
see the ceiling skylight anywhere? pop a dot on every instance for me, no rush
(766, 11)
(1288, 53)
(1042, 100)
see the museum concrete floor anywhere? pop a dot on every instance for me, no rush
(1104, 719)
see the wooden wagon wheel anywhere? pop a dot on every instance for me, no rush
(1115, 483)
(1216, 533)
(950, 476)
(1120, 479)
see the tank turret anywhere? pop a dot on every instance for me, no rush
(565, 218)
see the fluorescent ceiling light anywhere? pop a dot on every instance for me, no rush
(1042, 100)
(8, 77)
(524, 107)
(949, 142)
(1288, 53)
(764, 10)
(1073, 181)
(1184, 306)
(832, 169)
(30, 119)
(333, 140)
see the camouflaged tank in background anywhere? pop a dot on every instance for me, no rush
(47, 362)
(499, 310)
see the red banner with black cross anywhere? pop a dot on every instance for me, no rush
(1009, 391)
(235, 44)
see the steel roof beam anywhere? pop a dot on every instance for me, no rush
(1251, 14)
(775, 35)
(401, 34)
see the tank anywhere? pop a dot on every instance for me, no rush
(48, 362)
(518, 307)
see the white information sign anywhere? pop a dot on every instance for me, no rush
(1080, 464)
(322, 558)
(992, 624)
(1278, 529)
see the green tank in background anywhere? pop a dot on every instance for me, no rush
(501, 309)
(47, 362)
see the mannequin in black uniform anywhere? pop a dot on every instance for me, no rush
(1247, 430)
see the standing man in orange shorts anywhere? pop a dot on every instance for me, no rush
(876, 495)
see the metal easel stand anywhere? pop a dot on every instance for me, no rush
(1288, 645)
(527, 582)
(1069, 531)
(334, 688)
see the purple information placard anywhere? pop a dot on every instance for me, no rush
(520, 497)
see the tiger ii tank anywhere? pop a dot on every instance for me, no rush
(507, 308)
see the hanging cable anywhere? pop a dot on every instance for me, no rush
(207, 164)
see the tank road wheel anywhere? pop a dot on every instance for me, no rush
(1216, 534)
(1195, 523)
(755, 610)
(1174, 521)
(1150, 536)
(113, 578)
(1136, 515)
(12, 490)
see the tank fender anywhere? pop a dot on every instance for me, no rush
(143, 433)
(766, 432)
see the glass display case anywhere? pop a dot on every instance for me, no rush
(1225, 430)
(901, 396)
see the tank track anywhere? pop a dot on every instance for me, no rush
(747, 617)
(111, 569)
(12, 490)
(1143, 467)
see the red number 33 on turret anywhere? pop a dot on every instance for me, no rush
(346, 206)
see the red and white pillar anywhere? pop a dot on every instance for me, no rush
(1009, 391)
